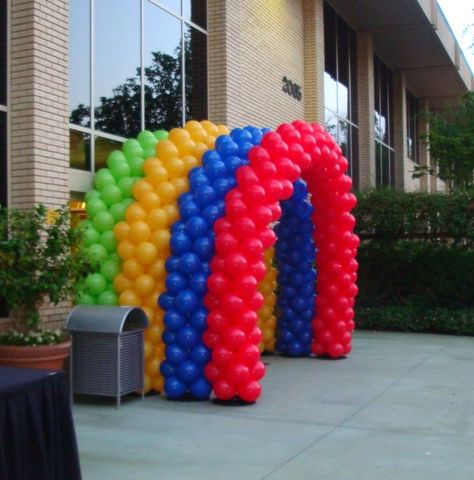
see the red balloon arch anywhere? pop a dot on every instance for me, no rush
(293, 151)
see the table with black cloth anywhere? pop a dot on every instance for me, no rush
(37, 437)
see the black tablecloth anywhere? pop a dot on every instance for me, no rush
(37, 437)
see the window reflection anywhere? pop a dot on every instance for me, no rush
(195, 43)
(79, 63)
(3, 52)
(163, 69)
(103, 147)
(173, 5)
(79, 150)
(3, 158)
(117, 58)
(196, 12)
(412, 127)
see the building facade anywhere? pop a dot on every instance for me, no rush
(78, 77)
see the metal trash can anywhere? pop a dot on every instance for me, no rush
(107, 356)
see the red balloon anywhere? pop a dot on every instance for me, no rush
(222, 355)
(235, 263)
(248, 320)
(267, 237)
(287, 189)
(258, 155)
(216, 321)
(335, 350)
(258, 371)
(258, 270)
(211, 302)
(231, 304)
(218, 283)
(246, 176)
(253, 248)
(249, 354)
(244, 227)
(238, 373)
(276, 211)
(255, 195)
(224, 390)
(246, 284)
(211, 339)
(225, 243)
(261, 215)
(236, 208)
(256, 302)
(318, 348)
(218, 264)
(250, 391)
(222, 225)
(255, 336)
(212, 372)
(234, 337)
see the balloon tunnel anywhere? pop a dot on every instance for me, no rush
(234, 244)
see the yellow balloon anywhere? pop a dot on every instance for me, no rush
(147, 383)
(139, 232)
(121, 230)
(172, 213)
(177, 135)
(166, 149)
(135, 213)
(141, 187)
(150, 165)
(198, 134)
(159, 176)
(160, 348)
(150, 315)
(149, 349)
(153, 334)
(126, 249)
(144, 285)
(175, 168)
(150, 200)
(157, 269)
(189, 162)
(129, 298)
(191, 125)
(210, 142)
(167, 192)
(157, 219)
(152, 367)
(132, 268)
(122, 283)
(199, 150)
(181, 185)
(151, 300)
(222, 130)
(161, 240)
(210, 128)
(186, 147)
(157, 383)
(146, 253)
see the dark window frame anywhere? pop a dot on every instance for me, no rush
(412, 132)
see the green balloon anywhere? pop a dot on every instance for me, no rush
(104, 221)
(127, 201)
(108, 297)
(136, 166)
(126, 185)
(107, 240)
(114, 257)
(111, 194)
(109, 269)
(120, 170)
(97, 253)
(132, 148)
(95, 284)
(92, 194)
(85, 224)
(90, 236)
(146, 139)
(115, 158)
(95, 206)
(84, 298)
(118, 211)
(103, 178)
(150, 152)
(160, 134)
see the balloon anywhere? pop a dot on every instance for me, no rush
(95, 284)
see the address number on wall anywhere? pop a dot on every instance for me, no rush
(292, 88)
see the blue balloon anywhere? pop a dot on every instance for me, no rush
(187, 337)
(295, 349)
(210, 214)
(167, 369)
(198, 181)
(172, 264)
(174, 320)
(244, 148)
(210, 156)
(189, 263)
(175, 282)
(215, 169)
(198, 284)
(180, 243)
(184, 197)
(175, 355)
(204, 247)
(188, 371)
(168, 337)
(204, 195)
(196, 227)
(198, 319)
(233, 162)
(201, 389)
(186, 301)
(221, 187)
(174, 388)
(201, 355)
(189, 210)
(166, 301)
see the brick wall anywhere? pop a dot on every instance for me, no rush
(39, 142)
(252, 45)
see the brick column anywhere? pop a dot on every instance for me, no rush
(423, 151)
(400, 128)
(39, 107)
(313, 27)
(365, 103)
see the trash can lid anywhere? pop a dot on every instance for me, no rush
(105, 319)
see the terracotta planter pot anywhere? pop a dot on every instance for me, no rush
(48, 357)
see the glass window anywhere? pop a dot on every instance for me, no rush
(79, 150)
(196, 12)
(412, 127)
(340, 84)
(195, 48)
(3, 52)
(79, 63)
(117, 67)
(104, 146)
(3, 158)
(163, 69)
(121, 104)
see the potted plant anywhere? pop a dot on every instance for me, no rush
(42, 259)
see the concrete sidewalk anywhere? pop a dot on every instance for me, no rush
(401, 406)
